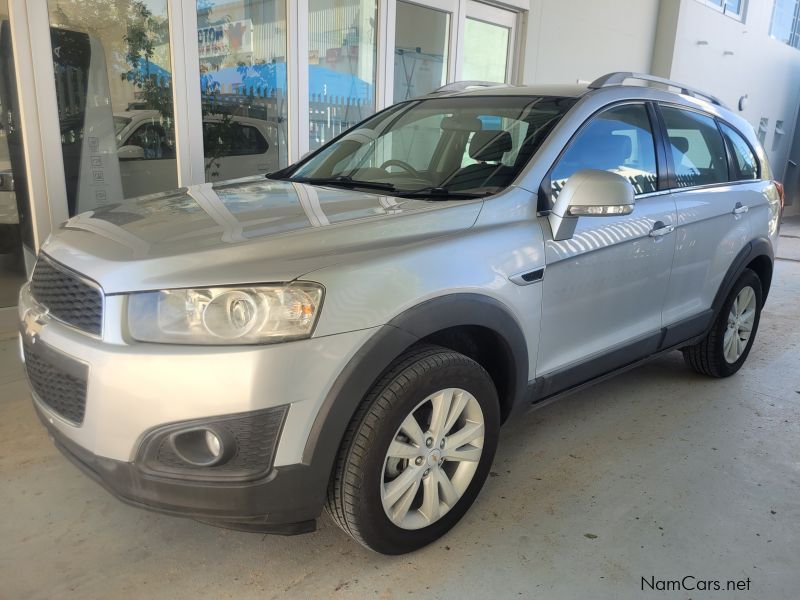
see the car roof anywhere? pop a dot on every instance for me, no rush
(561, 90)
(606, 94)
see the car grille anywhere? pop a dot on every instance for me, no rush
(67, 296)
(63, 392)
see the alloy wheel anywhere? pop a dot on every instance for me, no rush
(432, 458)
(740, 324)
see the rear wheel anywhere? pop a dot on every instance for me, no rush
(417, 452)
(723, 351)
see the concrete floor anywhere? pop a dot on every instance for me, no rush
(659, 472)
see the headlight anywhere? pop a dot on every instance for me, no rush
(243, 315)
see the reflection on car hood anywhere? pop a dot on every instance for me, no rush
(245, 231)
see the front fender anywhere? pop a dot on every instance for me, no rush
(380, 351)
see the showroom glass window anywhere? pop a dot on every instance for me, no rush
(15, 226)
(420, 50)
(619, 140)
(698, 152)
(242, 50)
(486, 51)
(113, 81)
(342, 49)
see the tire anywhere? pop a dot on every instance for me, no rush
(361, 482)
(708, 357)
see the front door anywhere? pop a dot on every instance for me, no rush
(603, 289)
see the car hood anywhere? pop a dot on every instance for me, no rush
(252, 230)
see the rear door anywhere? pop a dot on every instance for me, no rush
(603, 289)
(712, 226)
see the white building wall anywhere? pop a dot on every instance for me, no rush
(572, 40)
(731, 59)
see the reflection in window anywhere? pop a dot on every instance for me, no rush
(619, 140)
(341, 66)
(485, 51)
(242, 48)
(420, 51)
(112, 67)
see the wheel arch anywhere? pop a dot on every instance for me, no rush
(476, 325)
(756, 255)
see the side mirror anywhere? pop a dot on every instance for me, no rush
(590, 193)
(130, 153)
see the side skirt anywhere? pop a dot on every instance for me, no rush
(553, 386)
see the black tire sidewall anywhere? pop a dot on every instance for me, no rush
(374, 525)
(747, 278)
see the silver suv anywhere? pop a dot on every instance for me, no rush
(350, 332)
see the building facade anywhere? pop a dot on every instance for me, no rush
(104, 100)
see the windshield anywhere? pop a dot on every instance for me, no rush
(470, 146)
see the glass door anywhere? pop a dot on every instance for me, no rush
(242, 47)
(113, 83)
(489, 41)
(422, 38)
(14, 213)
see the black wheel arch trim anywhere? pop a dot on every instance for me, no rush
(751, 251)
(380, 351)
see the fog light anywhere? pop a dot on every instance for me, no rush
(214, 444)
(203, 447)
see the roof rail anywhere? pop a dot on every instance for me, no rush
(620, 77)
(461, 86)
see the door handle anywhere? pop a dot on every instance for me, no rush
(740, 209)
(660, 229)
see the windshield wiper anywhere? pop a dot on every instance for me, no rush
(440, 192)
(344, 181)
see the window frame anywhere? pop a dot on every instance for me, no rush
(545, 200)
(794, 32)
(723, 10)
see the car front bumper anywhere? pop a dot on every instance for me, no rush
(135, 390)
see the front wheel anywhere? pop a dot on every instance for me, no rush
(417, 452)
(723, 351)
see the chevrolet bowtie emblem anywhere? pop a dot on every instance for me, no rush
(33, 319)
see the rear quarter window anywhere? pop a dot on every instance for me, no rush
(745, 165)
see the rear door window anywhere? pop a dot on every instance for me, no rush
(229, 138)
(698, 152)
(744, 165)
(619, 140)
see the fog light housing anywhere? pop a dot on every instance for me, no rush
(203, 447)
(234, 447)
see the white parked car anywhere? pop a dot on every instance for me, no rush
(147, 151)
